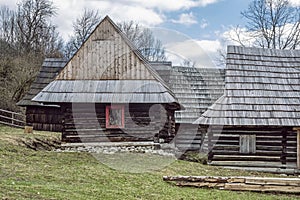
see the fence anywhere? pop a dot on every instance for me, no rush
(12, 118)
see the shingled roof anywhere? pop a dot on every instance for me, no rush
(262, 88)
(49, 70)
(195, 88)
(107, 68)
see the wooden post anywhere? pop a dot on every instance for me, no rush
(12, 118)
(298, 146)
(210, 145)
(284, 146)
(28, 129)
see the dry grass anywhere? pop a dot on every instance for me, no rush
(38, 174)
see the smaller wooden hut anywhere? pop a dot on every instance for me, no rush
(196, 89)
(39, 116)
(253, 125)
(109, 92)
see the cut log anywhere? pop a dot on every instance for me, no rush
(257, 184)
(261, 188)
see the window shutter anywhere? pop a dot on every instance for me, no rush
(248, 144)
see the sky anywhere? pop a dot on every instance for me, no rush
(192, 29)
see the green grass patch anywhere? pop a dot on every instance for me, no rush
(34, 173)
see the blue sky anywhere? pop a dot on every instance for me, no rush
(193, 29)
(211, 20)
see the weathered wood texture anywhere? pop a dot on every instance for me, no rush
(86, 123)
(262, 89)
(106, 91)
(298, 147)
(107, 54)
(195, 88)
(261, 147)
(188, 137)
(107, 68)
(49, 69)
(257, 184)
(13, 119)
(45, 118)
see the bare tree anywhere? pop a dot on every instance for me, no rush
(82, 28)
(29, 28)
(272, 24)
(7, 24)
(33, 27)
(26, 37)
(144, 40)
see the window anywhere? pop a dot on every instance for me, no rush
(248, 144)
(115, 116)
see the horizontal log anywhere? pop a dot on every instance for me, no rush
(109, 132)
(258, 153)
(261, 188)
(245, 158)
(258, 184)
(226, 147)
(200, 184)
(273, 181)
(253, 164)
(103, 139)
(196, 179)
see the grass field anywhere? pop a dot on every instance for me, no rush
(26, 173)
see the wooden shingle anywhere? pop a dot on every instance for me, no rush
(49, 70)
(107, 68)
(262, 88)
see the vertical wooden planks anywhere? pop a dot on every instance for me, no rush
(248, 144)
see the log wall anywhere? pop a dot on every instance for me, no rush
(247, 147)
(44, 118)
(143, 122)
(188, 137)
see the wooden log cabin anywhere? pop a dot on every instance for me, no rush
(108, 92)
(196, 89)
(39, 116)
(254, 124)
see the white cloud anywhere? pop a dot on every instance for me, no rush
(203, 24)
(186, 19)
(295, 2)
(149, 13)
(170, 5)
(193, 51)
(70, 10)
(11, 4)
(236, 34)
(210, 46)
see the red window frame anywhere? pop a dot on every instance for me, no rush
(107, 111)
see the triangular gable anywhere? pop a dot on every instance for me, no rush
(107, 55)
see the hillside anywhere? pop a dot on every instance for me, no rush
(29, 169)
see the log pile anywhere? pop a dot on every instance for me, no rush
(257, 184)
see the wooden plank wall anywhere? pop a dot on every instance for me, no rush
(44, 118)
(188, 137)
(106, 56)
(274, 147)
(86, 123)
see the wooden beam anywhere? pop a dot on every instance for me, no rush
(298, 146)
(258, 184)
